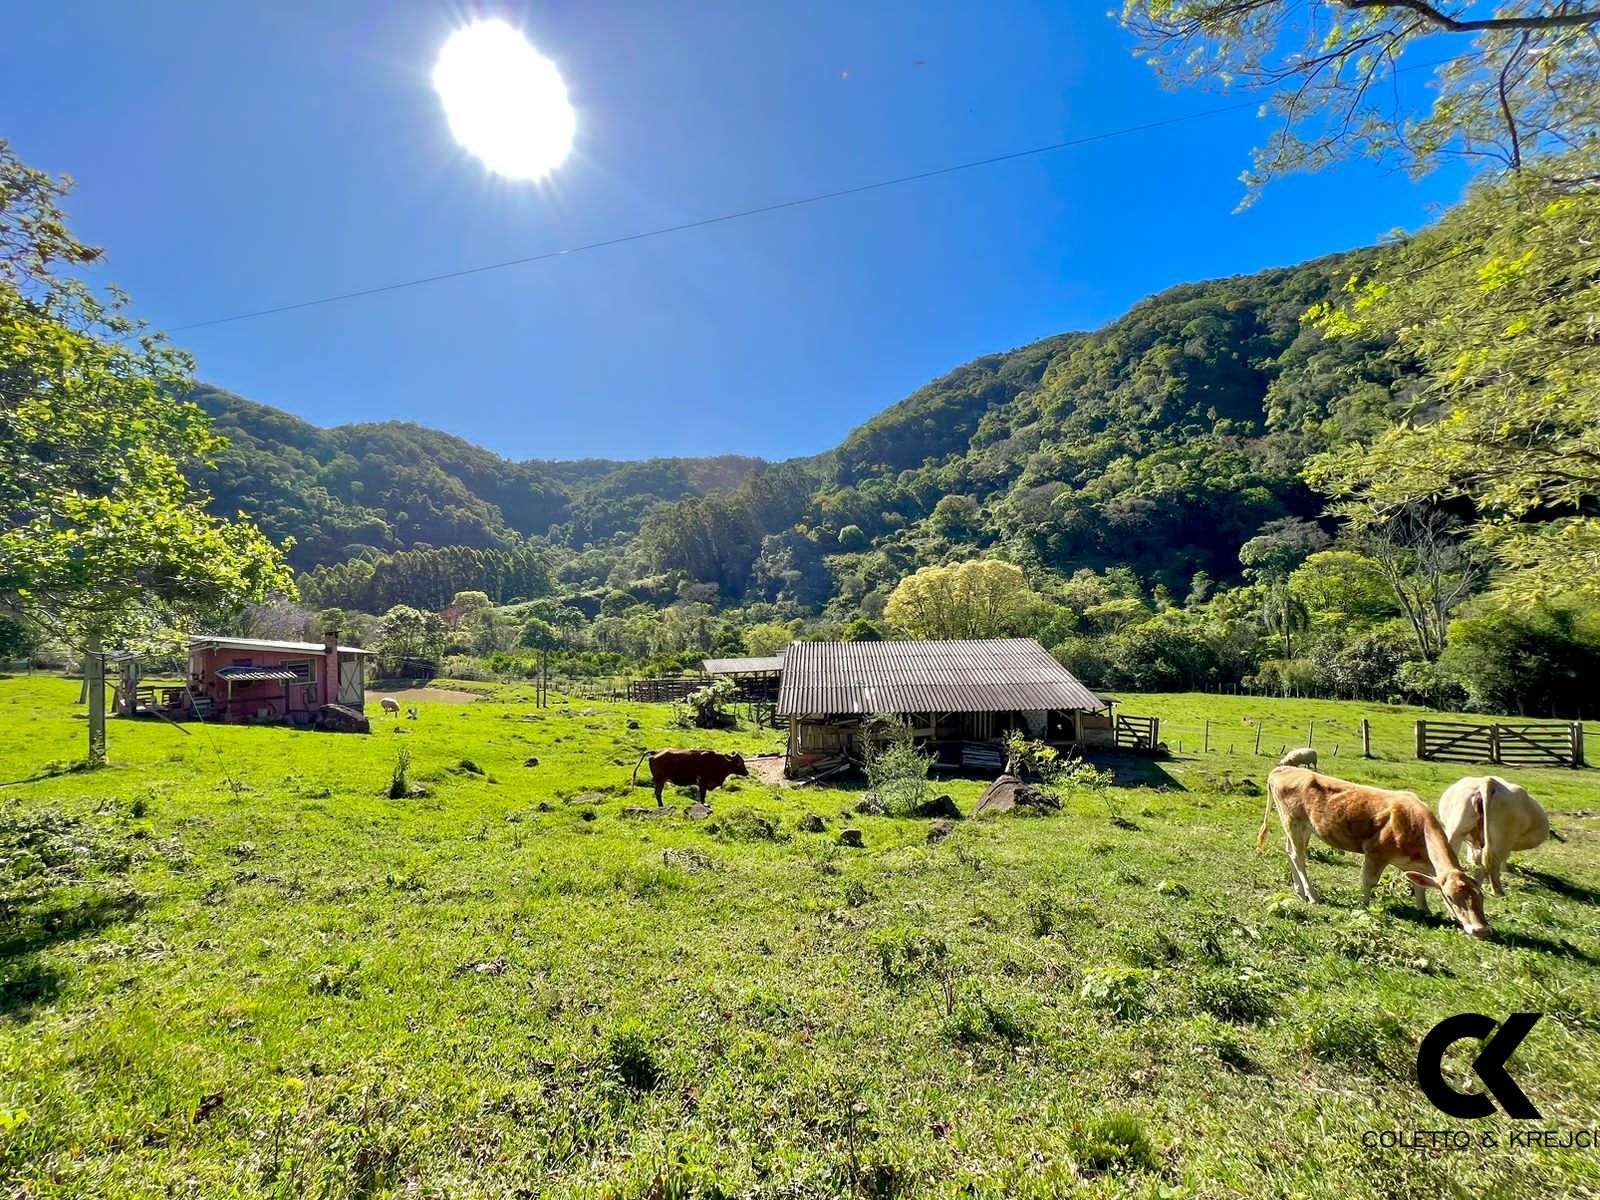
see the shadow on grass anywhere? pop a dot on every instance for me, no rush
(1137, 771)
(53, 770)
(1565, 888)
(24, 983)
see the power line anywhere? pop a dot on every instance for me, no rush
(724, 218)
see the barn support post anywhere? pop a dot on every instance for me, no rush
(1366, 738)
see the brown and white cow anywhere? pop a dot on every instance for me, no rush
(703, 769)
(1387, 828)
(1495, 817)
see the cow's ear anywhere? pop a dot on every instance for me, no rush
(1421, 880)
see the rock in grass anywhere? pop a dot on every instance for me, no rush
(939, 830)
(812, 823)
(697, 812)
(1008, 792)
(530, 761)
(651, 813)
(470, 767)
(851, 837)
(939, 806)
(871, 805)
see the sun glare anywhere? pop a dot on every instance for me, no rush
(505, 101)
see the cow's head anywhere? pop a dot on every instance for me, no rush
(1462, 896)
(736, 764)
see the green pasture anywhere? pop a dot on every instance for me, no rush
(230, 965)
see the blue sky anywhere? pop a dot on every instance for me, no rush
(232, 158)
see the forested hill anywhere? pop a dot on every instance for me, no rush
(393, 486)
(1161, 442)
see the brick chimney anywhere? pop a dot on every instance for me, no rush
(330, 665)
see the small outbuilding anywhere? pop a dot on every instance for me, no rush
(756, 678)
(960, 698)
(241, 680)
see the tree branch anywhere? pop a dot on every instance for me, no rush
(1449, 24)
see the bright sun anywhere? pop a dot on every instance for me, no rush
(505, 101)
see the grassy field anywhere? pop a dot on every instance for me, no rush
(232, 967)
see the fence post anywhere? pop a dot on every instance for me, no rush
(1577, 743)
(1208, 735)
(1366, 738)
(1494, 743)
(1422, 740)
(1311, 733)
(1258, 735)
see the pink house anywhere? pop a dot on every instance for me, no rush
(242, 680)
(253, 679)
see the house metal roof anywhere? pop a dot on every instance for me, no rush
(743, 666)
(255, 674)
(229, 643)
(822, 679)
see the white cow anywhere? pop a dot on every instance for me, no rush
(1495, 817)
(390, 705)
(1303, 757)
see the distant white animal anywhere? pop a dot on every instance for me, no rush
(1494, 817)
(411, 714)
(390, 705)
(1303, 757)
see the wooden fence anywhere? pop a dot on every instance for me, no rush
(1502, 744)
(655, 691)
(1137, 733)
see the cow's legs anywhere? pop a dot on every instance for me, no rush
(1493, 866)
(1371, 872)
(702, 788)
(660, 783)
(1296, 836)
(1421, 895)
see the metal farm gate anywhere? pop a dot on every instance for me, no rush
(1524, 745)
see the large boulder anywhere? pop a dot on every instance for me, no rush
(939, 806)
(337, 718)
(1008, 792)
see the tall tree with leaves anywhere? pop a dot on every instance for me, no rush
(1509, 85)
(101, 535)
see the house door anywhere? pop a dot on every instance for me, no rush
(350, 685)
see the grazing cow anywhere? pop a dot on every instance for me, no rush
(1303, 757)
(704, 769)
(390, 705)
(1494, 817)
(1387, 827)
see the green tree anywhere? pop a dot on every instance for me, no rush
(767, 638)
(1498, 304)
(409, 633)
(979, 599)
(1508, 84)
(102, 536)
(1270, 559)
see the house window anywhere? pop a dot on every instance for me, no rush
(304, 675)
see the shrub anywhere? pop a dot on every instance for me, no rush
(1124, 991)
(399, 781)
(706, 708)
(459, 666)
(896, 770)
(1116, 1143)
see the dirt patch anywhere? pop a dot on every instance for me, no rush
(767, 769)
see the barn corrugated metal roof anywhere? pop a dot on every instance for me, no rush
(822, 679)
(233, 643)
(255, 674)
(742, 666)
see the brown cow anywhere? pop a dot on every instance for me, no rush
(1386, 827)
(704, 769)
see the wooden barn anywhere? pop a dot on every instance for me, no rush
(252, 680)
(961, 698)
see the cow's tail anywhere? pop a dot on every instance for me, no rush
(636, 766)
(1485, 790)
(1266, 821)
